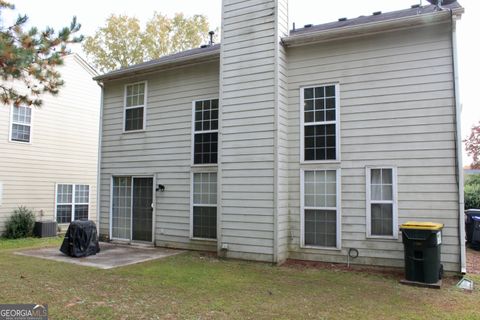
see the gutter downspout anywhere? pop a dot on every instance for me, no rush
(275, 137)
(99, 154)
(458, 141)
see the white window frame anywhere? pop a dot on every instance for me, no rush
(23, 124)
(144, 106)
(394, 202)
(73, 203)
(203, 205)
(338, 209)
(203, 131)
(336, 122)
(154, 207)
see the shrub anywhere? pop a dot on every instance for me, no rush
(472, 192)
(20, 224)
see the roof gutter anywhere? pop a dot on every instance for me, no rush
(458, 142)
(85, 65)
(370, 28)
(161, 64)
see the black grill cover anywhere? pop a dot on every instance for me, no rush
(81, 239)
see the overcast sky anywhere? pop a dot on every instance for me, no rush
(92, 14)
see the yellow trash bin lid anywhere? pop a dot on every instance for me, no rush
(422, 225)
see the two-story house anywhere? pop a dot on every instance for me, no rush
(49, 154)
(297, 144)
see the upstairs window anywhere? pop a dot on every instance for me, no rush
(135, 103)
(205, 131)
(21, 124)
(381, 202)
(319, 127)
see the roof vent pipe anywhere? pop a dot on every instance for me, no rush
(440, 3)
(211, 33)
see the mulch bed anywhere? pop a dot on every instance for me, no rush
(396, 273)
(303, 264)
(473, 261)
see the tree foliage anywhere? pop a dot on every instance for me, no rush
(472, 146)
(30, 57)
(472, 192)
(122, 41)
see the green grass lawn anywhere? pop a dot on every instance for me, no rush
(197, 286)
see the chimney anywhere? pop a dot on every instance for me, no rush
(252, 91)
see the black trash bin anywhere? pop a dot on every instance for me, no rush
(469, 214)
(81, 239)
(475, 240)
(422, 243)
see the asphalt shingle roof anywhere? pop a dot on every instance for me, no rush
(192, 53)
(214, 49)
(372, 18)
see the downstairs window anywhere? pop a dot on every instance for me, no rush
(320, 209)
(72, 202)
(381, 202)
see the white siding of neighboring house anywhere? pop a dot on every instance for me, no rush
(162, 151)
(397, 109)
(63, 148)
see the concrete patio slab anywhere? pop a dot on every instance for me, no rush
(110, 255)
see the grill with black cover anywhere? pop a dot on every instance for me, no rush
(81, 239)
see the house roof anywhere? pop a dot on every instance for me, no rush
(375, 17)
(200, 54)
(83, 63)
(414, 17)
(378, 22)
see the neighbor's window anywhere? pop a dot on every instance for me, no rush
(320, 124)
(21, 124)
(72, 202)
(381, 202)
(205, 132)
(320, 208)
(204, 211)
(135, 102)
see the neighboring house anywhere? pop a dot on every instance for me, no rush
(467, 170)
(282, 144)
(49, 154)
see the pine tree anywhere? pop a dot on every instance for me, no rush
(30, 58)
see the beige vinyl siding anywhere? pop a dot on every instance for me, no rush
(397, 109)
(63, 148)
(248, 138)
(162, 151)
